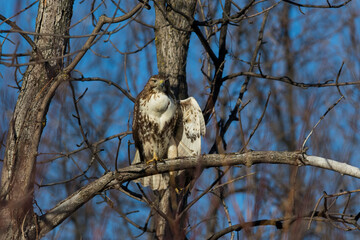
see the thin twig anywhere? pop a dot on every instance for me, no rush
(288, 80)
(111, 83)
(94, 153)
(257, 123)
(208, 189)
(231, 181)
(337, 80)
(61, 155)
(314, 211)
(153, 206)
(132, 52)
(317, 6)
(234, 112)
(226, 210)
(25, 36)
(117, 154)
(91, 40)
(19, 12)
(112, 206)
(71, 179)
(322, 117)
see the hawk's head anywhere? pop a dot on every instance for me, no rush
(158, 82)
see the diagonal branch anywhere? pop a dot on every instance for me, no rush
(25, 36)
(109, 82)
(65, 208)
(102, 21)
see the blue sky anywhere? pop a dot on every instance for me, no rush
(318, 63)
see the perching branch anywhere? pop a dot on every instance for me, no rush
(65, 208)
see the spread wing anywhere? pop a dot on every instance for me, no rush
(187, 142)
(190, 128)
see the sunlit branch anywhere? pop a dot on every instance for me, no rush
(65, 208)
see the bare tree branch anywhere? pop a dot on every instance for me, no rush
(64, 209)
(278, 223)
(288, 80)
(109, 82)
(103, 20)
(25, 36)
(318, 6)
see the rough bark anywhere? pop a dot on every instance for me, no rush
(18, 220)
(172, 37)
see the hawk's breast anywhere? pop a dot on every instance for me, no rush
(160, 109)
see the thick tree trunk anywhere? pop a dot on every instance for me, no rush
(18, 220)
(172, 37)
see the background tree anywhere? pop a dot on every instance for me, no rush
(66, 98)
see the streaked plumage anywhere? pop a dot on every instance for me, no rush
(165, 127)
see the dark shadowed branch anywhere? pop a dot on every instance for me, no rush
(328, 5)
(278, 223)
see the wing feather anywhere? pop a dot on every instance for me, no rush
(190, 128)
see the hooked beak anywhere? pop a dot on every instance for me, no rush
(165, 83)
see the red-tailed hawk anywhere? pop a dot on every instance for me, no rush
(165, 128)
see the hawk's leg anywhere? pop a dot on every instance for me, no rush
(154, 159)
(173, 153)
(178, 189)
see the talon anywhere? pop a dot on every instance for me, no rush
(178, 190)
(154, 159)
